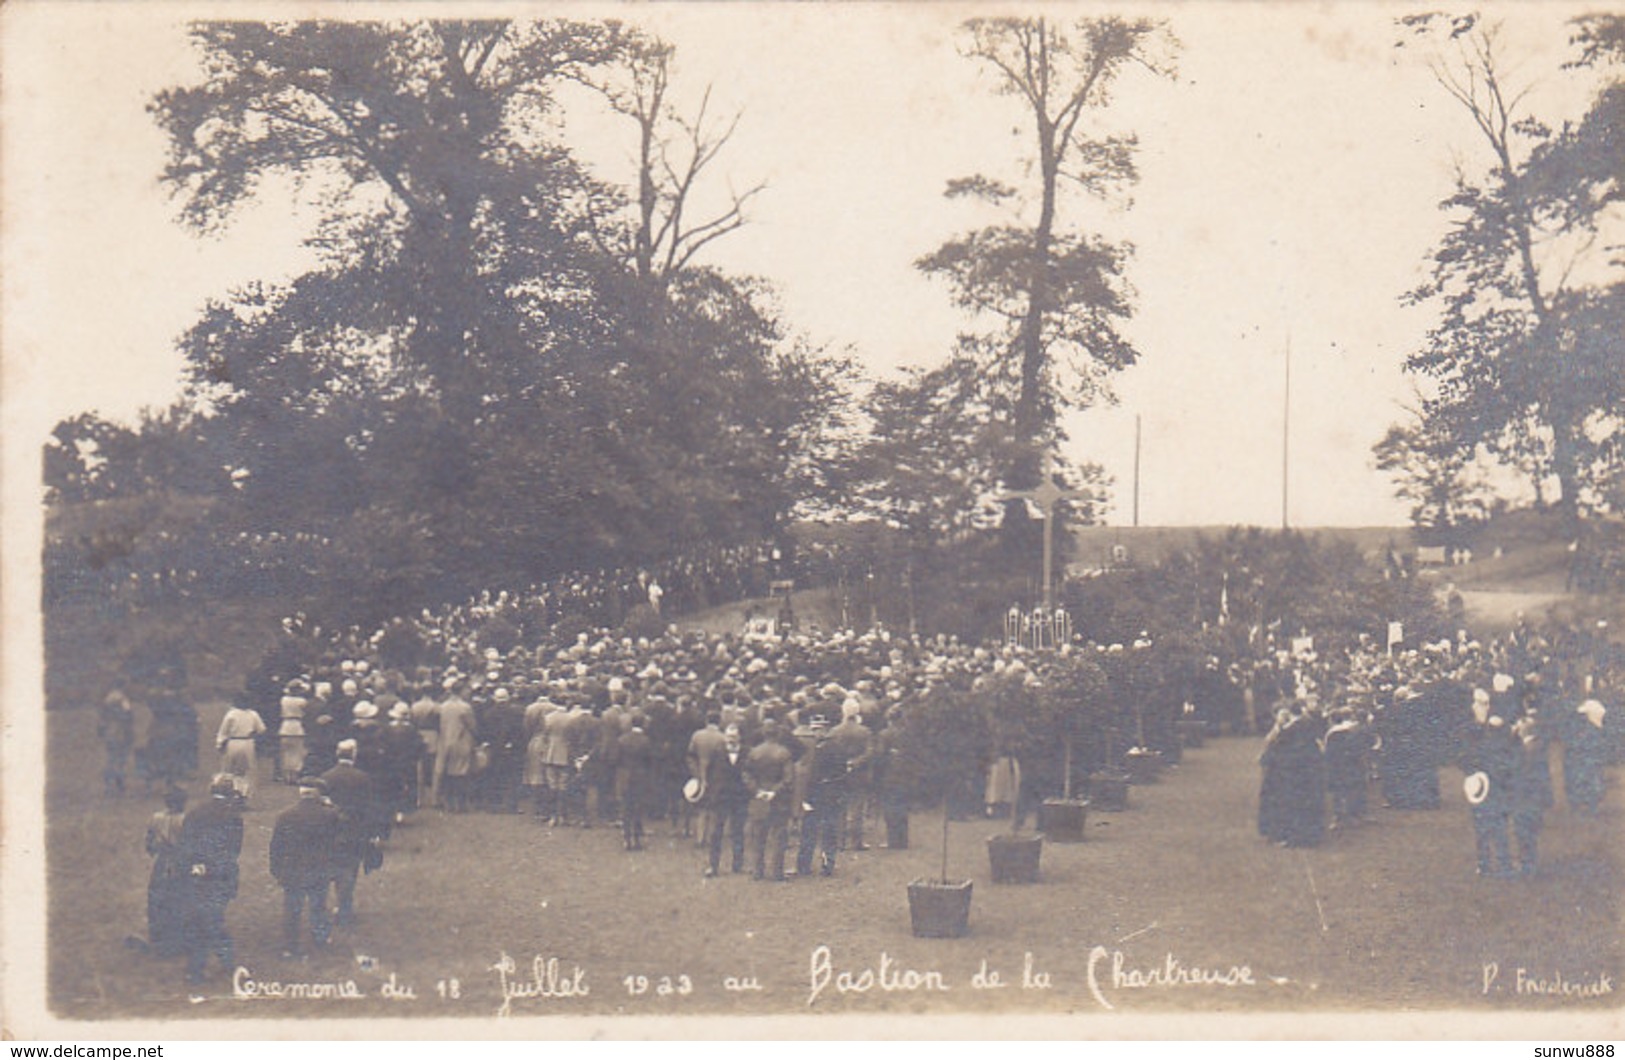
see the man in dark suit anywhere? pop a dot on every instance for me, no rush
(727, 800)
(634, 764)
(355, 797)
(703, 748)
(211, 842)
(304, 846)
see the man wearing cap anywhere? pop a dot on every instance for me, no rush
(210, 844)
(825, 767)
(355, 797)
(304, 855)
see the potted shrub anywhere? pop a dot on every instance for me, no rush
(1072, 704)
(1109, 784)
(1011, 699)
(936, 750)
(1142, 764)
(1192, 730)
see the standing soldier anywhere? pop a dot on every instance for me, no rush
(825, 801)
(304, 846)
(769, 777)
(211, 843)
(855, 742)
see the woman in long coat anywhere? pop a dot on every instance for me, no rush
(291, 733)
(166, 887)
(1273, 808)
(1304, 778)
(456, 766)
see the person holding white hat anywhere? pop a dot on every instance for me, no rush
(1490, 766)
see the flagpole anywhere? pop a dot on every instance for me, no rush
(1136, 469)
(1286, 433)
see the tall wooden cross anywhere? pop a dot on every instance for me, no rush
(1046, 495)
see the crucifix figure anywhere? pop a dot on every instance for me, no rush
(1046, 495)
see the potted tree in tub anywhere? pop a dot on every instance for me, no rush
(1072, 704)
(938, 748)
(1109, 784)
(1142, 763)
(1013, 703)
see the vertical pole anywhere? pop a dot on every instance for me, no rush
(1136, 469)
(1286, 433)
(1049, 549)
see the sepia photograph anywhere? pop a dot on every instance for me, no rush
(813, 520)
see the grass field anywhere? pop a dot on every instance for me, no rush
(1390, 916)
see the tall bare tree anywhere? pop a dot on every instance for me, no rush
(1056, 297)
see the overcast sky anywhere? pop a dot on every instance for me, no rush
(1289, 181)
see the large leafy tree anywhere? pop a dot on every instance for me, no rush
(442, 219)
(1526, 356)
(474, 369)
(1053, 296)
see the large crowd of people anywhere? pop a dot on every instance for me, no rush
(811, 740)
